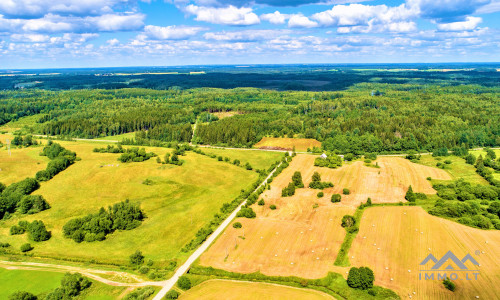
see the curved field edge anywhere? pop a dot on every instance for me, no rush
(333, 284)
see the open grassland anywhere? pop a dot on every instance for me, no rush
(22, 163)
(287, 143)
(180, 201)
(257, 159)
(29, 121)
(392, 241)
(40, 283)
(457, 169)
(225, 114)
(303, 235)
(496, 175)
(225, 289)
(119, 137)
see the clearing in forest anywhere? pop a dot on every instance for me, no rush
(226, 289)
(287, 143)
(257, 159)
(393, 241)
(178, 201)
(225, 114)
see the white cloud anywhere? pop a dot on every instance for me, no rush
(446, 10)
(171, 32)
(245, 35)
(116, 22)
(493, 7)
(30, 38)
(48, 24)
(469, 24)
(113, 42)
(301, 21)
(275, 18)
(230, 15)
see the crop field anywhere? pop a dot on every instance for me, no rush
(225, 289)
(392, 241)
(457, 169)
(176, 204)
(257, 159)
(298, 239)
(287, 143)
(387, 184)
(22, 163)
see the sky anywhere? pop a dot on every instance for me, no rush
(113, 33)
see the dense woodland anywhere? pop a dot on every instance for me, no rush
(402, 117)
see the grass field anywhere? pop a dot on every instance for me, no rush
(225, 289)
(120, 137)
(287, 143)
(22, 163)
(225, 114)
(41, 283)
(257, 159)
(30, 121)
(406, 235)
(176, 205)
(457, 169)
(496, 175)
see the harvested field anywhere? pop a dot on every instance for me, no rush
(405, 235)
(287, 143)
(226, 289)
(225, 114)
(297, 239)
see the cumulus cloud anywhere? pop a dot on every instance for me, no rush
(171, 32)
(116, 22)
(230, 15)
(38, 8)
(301, 21)
(275, 18)
(245, 35)
(469, 24)
(277, 3)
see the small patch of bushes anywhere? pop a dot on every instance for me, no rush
(272, 207)
(237, 225)
(346, 191)
(184, 283)
(320, 195)
(172, 294)
(261, 202)
(26, 247)
(450, 285)
(336, 198)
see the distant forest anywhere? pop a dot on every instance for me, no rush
(386, 111)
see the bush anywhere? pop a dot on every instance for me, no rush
(136, 258)
(320, 194)
(410, 196)
(237, 225)
(261, 202)
(172, 294)
(316, 182)
(246, 212)
(348, 221)
(15, 230)
(346, 191)
(37, 231)
(336, 198)
(360, 278)
(31, 204)
(184, 283)
(140, 294)
(26, 247)
(297, 180)
(22, 296)
(135, 154)
(272, 206)
(144, 270)
(449, 285)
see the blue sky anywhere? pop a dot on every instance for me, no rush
(108, 33)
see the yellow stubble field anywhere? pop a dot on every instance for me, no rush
(393, 241)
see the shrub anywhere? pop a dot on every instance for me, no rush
(360, 278)
(297, 180)
(172, 294)
(73, 284)
(320, 194)
(26, 247)
(140, 294)
(348, 221)
(37, 231)
(449, 285)
(261, 202)
(184, 283)
(448, 162)
(237, 225)
(15, 230)
(22, 296)
(272, 206)
(346, 191)
(135, 154)
(410, 196)
(336, 198)
(136, 258)
(246, 212)
(31, 204)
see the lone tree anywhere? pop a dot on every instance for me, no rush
(297, 180)
(336, 198)
(348, 221)
(410, 195)
(316, 177)
(137, 258)
(360, 278)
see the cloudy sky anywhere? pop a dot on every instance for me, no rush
(97, 33)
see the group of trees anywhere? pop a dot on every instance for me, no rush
(295, 183)
(36, 230)
(360, 278)
(135, 154)
(316, 182)
(24, 141)
(60, 159)
(332, 161)
(11, 196)
(110, 149)
(94, 227)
